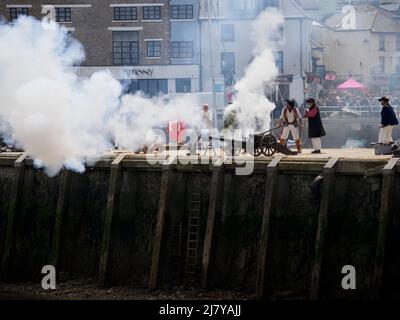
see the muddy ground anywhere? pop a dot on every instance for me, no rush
(88, 289)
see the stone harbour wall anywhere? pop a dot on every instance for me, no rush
(127, 223)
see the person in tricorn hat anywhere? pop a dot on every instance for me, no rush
(292, 120)
(388, 121)
(315, 128)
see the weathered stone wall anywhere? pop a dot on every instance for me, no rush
(392, 279)
(6, 180)
(34, 225)
(293, 229)
(82, 225)
(173, 266)
(238, 232)
(351, 237)
(134, 227)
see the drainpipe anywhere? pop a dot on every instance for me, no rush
(200, 49)
(301, 58)
(214, 95)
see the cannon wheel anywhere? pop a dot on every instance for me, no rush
(256, 142)
(258, 151)
(269, 145)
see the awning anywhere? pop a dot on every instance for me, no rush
(352, 84)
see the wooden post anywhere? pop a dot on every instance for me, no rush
(327, 185)
(386, 201)
(216, 194)
(62, 204)
(13, 212)
(111, 209)
(270, 186)
(166, 181)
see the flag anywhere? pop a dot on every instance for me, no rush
(330, 76)
(310, 77)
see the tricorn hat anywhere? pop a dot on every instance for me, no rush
(291, 102)
(386, 99)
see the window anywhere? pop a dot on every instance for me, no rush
(277, 35)
(154, 48)
(151, 87)
(151, 13)
(183, 85)
(398, 64)
(381, 42)
(397, 42)
(248, 4)
(382, 64)
(16, 12)
(182, 49)
(125, 47)
(273, 3)
(63, 14)
(227, 32)
(125, 13)
(182, 12)
(279, 61)
(227, 62)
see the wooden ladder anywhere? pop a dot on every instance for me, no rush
(192, 254)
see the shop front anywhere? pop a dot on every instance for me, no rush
(152, 80)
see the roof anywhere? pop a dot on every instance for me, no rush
(309, 4)
(291, 9)
(368, 18)
(223, 9)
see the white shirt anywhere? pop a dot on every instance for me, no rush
(207, 119)
(290, 114)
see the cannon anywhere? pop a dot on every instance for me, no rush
(5, 147)
(259, 144)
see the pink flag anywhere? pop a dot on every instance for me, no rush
(330, 76)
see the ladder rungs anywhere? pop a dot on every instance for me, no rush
(194, 234)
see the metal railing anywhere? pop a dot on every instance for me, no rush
(356, 112)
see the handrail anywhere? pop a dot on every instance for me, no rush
(363, 112)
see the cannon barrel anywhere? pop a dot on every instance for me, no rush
(233, 141)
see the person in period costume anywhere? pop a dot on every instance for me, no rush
(291, 120)
(207, 121)
(388, 121)
(207, 118)
(315, 128)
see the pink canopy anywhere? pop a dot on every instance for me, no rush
(352, 84)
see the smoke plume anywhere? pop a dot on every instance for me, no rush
(252, 106)
(59, 119)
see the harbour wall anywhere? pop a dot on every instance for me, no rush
(126, 222)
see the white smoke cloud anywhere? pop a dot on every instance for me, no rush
(138, 115)
(253, 108)
(61, 120)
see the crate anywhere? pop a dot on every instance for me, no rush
(383, 149)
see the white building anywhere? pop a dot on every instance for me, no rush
(231, 46)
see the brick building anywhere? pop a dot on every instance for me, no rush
(131, 38)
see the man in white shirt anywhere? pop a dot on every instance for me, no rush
(207, 118)
(292, 120)
(206, 125)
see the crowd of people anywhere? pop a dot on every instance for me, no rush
(355, 98)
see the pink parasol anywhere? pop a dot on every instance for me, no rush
(352, 84)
